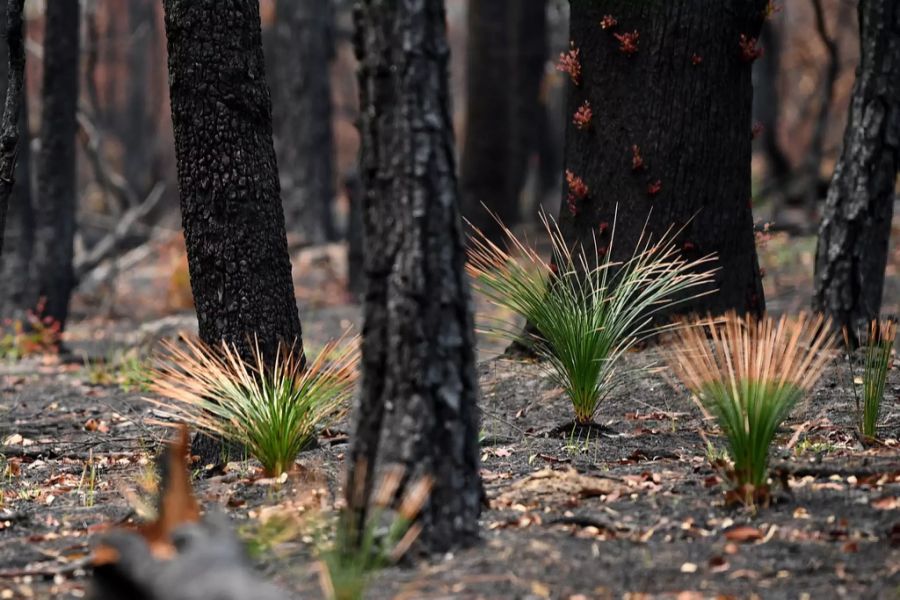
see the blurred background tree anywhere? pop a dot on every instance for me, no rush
(509, 114)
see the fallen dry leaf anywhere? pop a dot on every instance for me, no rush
(743, 534)
(886, 503)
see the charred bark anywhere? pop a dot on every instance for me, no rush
(301, 105)
(52, 271)
(668, 144)
(227, 176)
(419, 392)
(18, 232)
(506, 53)
(856, 226)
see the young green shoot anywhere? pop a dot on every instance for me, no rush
(587, 312)
(274, 412)
(360, 549)
(749, 374)
(877, 362)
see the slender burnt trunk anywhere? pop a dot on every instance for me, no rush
(303, 50)
(856, 226)
(140, 124)
(52, 270)
(505, 62)
(668, 144)
(18, 233)
(767, 104)
(418, 400)
(228, 180)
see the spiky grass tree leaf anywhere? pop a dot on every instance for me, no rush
(587, 313)
(879, 347)
(388, 530)
(274, 412)
(749, 374)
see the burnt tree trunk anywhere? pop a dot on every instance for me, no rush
(856, 226)
(669, 86)
(139, 133)
(417, 406)
(227, 175)
(18, 232)
(505, 59)
(52, 270)
(767, 105)
(228, 180)
(303, 50)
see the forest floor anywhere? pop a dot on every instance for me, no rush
(635, 512)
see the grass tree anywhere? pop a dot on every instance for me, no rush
(879, 346)
(586, 314)
(272, 411)
(749, 374)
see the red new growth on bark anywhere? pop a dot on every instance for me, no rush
(608, 22)
(603, 227)
(654, 188)
(696, 59)
(637, 161)
(628, 42)
(689, 246)
(570, 63)
(756, 130)
(750, 50)
(578, 190)
(583, 115)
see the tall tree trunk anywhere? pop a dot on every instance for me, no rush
(418, 400)
(52, 270)
(505, 59)
(668, 144)
(228, 180)
(767, 104)
(856, 226)
(140, 124)
(18, 232)
(301, 104)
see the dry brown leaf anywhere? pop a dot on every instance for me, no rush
(743, 534)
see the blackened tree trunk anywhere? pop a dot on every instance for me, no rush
(505, 57)
(227, 175)
(18, 232)
(418, 399)
(668, 85)
(140, 125)
(52, 270)
(301, 105)
(767, 104)
(856, 226)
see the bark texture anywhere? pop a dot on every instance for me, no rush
(506, 53)
(681, 93)
(52, 270)
(418, 399)
(303, 50)
(227, 175)
(16, 231)
(856, 226)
